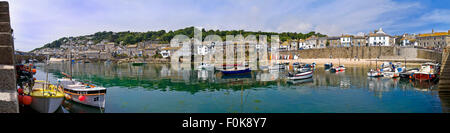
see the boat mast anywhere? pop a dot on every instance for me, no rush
(70, 57)
(46, 78)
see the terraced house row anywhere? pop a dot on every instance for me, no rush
(434, 40)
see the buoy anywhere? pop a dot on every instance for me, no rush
(20, 91)
(27, 100)
(20, 98)
(68, 97)
(82, 98)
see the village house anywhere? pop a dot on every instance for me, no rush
(334, 41)
(132, 50)
(322, 42)
(284, 46)
(434, 39)
(293, 45)
(359, 41)
(380, 38)
(301, 44)
(167, 51)
(346, 41)
(408, 40)
(311, 42)
(92, 54)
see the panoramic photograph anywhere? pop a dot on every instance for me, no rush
(224, 56)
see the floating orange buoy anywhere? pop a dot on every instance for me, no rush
(81, 98)
(27, 100)
(20, 98)
(20, 91)
(68, 97)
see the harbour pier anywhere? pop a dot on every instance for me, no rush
(8, 94)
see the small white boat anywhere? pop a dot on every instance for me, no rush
(93, 95)
(47, 98)
(300, 75)
(373, 73)
(391, 74)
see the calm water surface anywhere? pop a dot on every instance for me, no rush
(165, 88)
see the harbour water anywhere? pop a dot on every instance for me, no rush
(163, 88)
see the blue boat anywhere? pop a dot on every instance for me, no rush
(247, 70)
(328, 66)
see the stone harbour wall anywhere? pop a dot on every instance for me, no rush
(8, 94)
(382, 52)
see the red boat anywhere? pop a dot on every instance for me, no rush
(428, 71)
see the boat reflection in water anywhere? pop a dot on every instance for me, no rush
(182, 88)
(74, 107)
(303, 81)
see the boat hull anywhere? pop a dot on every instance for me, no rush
(300, 76)
(237, 71)
(391, 74)
(46, 104)
(91, 100)
(374, 74)
(423, 76)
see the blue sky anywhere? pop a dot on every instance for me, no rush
(36, 23)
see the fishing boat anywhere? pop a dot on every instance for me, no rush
(394, 74)
(374, 73)
(409, 73)
(428, 71)
(328, 66)
(300, 75)
(138, 63)
(83, 93)
(47, 98)
(340, 68)
(237, 71)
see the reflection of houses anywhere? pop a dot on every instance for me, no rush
(271, 76)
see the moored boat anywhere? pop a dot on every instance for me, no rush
(328, 66)
(47, 98)
(83, 93)
(300, 75)
(428, 71)
(374, 73)
(237, 71)
(340, 68)
(408, 73)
